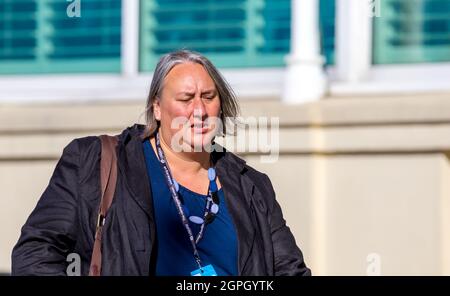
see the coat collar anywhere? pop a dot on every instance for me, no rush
(238, 188)
(132, 164)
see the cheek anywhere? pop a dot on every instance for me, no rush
(214, 109)
(174, 111)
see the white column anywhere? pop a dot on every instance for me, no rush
(353, 39)
(130, 38)
(305, 78)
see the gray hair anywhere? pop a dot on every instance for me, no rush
(228, 103)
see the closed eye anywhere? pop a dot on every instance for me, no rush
(184, 99)
(210, 96)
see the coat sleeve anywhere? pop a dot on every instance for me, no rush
(48, 235)
(288, 258)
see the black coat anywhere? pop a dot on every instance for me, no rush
(64, 219)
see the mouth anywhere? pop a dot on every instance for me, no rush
(200, 127)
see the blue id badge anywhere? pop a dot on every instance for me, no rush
(208, 270)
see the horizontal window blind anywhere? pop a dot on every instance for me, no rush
(232, 33)
(38, 36)
(412, 31)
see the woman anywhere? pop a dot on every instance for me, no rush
(178, 208)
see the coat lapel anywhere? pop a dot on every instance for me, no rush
(238, 192)
(133, 170)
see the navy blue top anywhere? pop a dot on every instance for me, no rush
(175, 255)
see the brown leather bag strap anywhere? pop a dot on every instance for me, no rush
(108, 177)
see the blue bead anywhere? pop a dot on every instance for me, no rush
(214, 208)
(196, 220)
(177, 187)
(211, 174)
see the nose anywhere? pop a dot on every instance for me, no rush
(199, 109)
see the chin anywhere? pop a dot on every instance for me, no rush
(200, 142)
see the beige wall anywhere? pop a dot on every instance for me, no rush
(355, 175)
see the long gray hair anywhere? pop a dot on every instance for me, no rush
(228, 103)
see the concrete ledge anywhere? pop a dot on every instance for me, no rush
(32, 118)
(327, 112)
(357, 110)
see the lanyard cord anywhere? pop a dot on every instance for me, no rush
(173, 191)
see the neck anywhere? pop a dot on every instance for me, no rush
(188, 162)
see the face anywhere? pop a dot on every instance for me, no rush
(188, 107)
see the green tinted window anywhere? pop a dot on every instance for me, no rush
(412, 31)
(39, 37)
(232, 33)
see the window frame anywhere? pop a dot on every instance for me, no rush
(355, 74)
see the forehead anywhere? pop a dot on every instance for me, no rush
(188, 75)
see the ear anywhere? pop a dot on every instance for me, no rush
(157, 109)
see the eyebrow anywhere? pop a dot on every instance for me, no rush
(185, 93)
(188, 93)
(209, 91)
